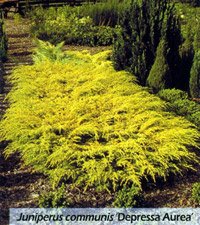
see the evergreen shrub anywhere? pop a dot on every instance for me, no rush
(159, 77)
(195, 76)
(55, 198)
(196, 192)
(79, 121)
(180, 104)
(128, 197)
(186, 56)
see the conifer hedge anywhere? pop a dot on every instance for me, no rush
(80, 121)
(142, 27)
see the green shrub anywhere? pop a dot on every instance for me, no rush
(181, 105)
(195, 76)
(197, 38)
(172, 95)
(83, 123)
(65, 25)
(196, 192)
(190, 29)
(186, 56)
(128, 197)
(55, 198)
(160, 75)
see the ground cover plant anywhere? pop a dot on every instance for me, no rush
(91, 126)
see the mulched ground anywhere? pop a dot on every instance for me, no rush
(21, 187)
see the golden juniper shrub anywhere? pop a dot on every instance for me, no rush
(85, 123)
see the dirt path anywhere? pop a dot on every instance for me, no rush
(18, 186)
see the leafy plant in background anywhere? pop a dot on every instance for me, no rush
(83, 123)
(67, 25)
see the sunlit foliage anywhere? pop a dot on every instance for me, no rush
(80, 121)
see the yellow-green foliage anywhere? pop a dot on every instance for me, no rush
(85, 123)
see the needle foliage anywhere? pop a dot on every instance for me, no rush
(81, 122)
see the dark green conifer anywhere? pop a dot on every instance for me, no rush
(195, 76)
(186, 55)
(197, 38)
(171, 31)
(160, 74)
(141, 31)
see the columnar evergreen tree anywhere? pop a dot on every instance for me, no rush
(195, 70)
(160, 74)
(171, 32)
(187, 55)
(197, 38)
(195, 76)
(141, 31)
